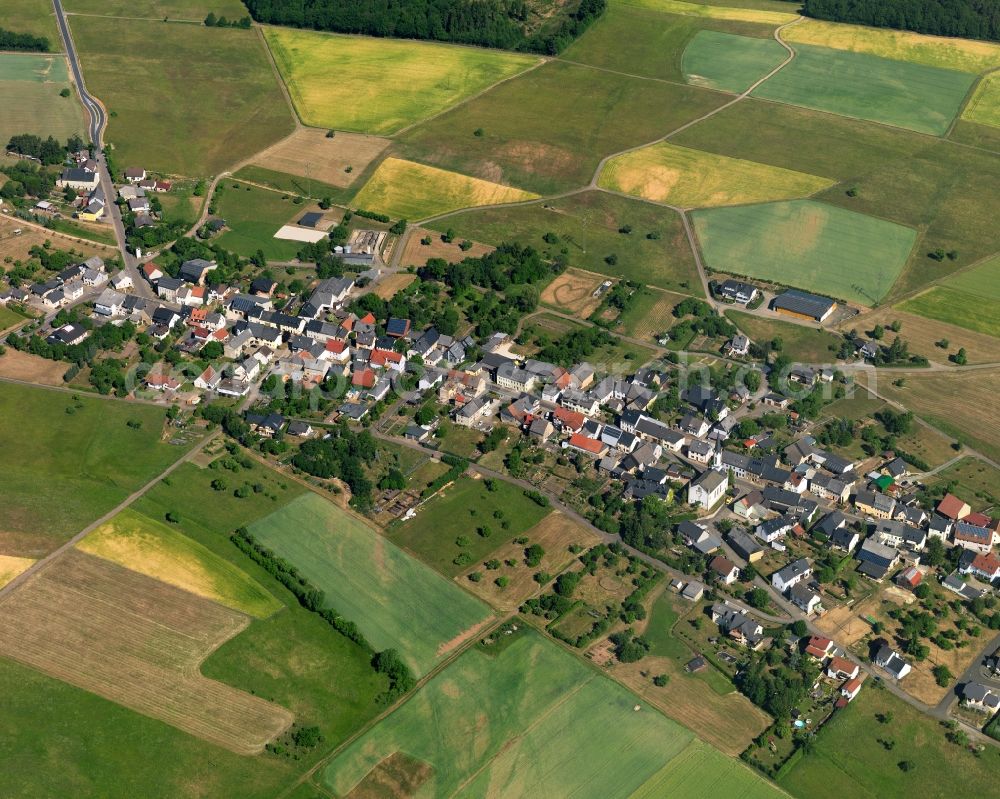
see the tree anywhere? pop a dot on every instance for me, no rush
(906, 765)
(757, 598)
(398, 228)
(172, 517)
(960, 357)
(799, 628)
(942, 675)
(533, 555)
(393, 480)
(212, 350)
(424, 415)
(211, 20)
(878, 332)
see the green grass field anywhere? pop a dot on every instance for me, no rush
(656, 40)
(849, 761)
(799, 342)
(152, 548)
(197, 101)
(30, 86)
(727, 62)
(407, 190)
(62, 470)
(460, 510)
(984, 105)
(806, 244)
(395, 600)
(9, 317)
(688, 178)
(980, 281)
(36, 17)
(662, 618)
(971, 311)
(587, 228)
(293, 184)
(745, 10)
(977, 482)
(908, 95)
(553, 141)
(253, 215)
(485, 730)
(194, 10)
(339, 81)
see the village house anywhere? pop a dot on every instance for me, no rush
(707, 489)
(893, 662)
(791, 574)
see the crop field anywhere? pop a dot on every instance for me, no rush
(849, 761)
(807, 244)
(138, 642)
(700, 770)
(656, 40)
(36, 17)
(309, 153)
(982, 281)
(717, 11)
(862, 86)
(372, 582)
(82, 463)
(191, 10)
(339, 81)
(407, 190)
(460, 510)
(923, 334)
(199, 100)
(984, 106)
(956, 307)
(688, 178)
(11, 566)
(152, 548)
(964, 55)
(30, 86)
(960, 404)
(253, 215)
(650, 314)
(480, 729)
(805, 343)
(587, 226)
(555, 534)
(728, 62)
(574, 292)
(553, 142)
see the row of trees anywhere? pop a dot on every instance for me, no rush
(973, 19)
(490, 23)
(9, 40)
(48, 150)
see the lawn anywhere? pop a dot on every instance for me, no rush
(465, 510)
(976, 482)
(799, 342)
(689, 178)
(727, 62)
(656, 40)
(662, 618)
(965, 309)
(984, 107)
(253, 215)
(152, 548)
(9, 317)
(30, 86)
(407, 190)
(850, 761)
(807, 244)
(553, 141)
(197, 101)
(36, 17)
(84, 460)
(904, 94)
(395, 600)
(962, 404)
(964, 55)
(587, 229)
(339, 81)
(481, 729)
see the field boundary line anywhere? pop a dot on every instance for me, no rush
(167, 21)
(281, 82)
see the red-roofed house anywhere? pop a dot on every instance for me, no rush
(978, 519)
(842, 669)
(850, 689)
(986, 566)
(152, 271)
(161, 382)
(337, 351)
(363, 378)
(387, 359)
(909, 578)
(589, 445)
(818, 646)
(571, 421)
(368, 319)
(953, 507)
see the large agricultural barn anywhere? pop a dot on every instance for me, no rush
(803, 305)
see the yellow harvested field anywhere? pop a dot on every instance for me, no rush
(309, 153)
(922, 335)
(372, 85)
(714, 12)
(984, 107)
(388, 287)
(138, 642)
(152, 548)
(417, 253)
(32, 368)
(408, 190)
(964, 55)
(573, 292)
(688, 178)
(18, 246)
(11, 566)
